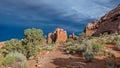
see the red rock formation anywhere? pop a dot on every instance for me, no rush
(109, 23)
(59, 35)
(51, 37)
(73, 36)
(1, 44)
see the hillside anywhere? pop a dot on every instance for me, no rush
(109, 23)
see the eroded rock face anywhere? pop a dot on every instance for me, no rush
(59, 35)
(109, 23)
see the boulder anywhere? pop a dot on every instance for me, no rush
(59, 35)
(109, 23)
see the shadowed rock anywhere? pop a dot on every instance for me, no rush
(109, 23)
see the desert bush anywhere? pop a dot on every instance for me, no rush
(12, 46)
(29, 46)
(88, 56)
(117, 45)
(31, 51)
(69, 40)
(16, 60)
(116, 39)
(33, 38)
(111, 53)
(116, 42)
(33, 35)
(69, 44)
(97, 48)
(110, 63)
(91, 37)
(94, 47)
(109, 40)
(101, 40)
(82, 48)
(48, 47)
(71, 49)
(21, 59)
(8, 60)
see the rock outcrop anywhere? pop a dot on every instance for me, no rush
(73, 36)
(1, 44)
(109, 23)
(59, 35)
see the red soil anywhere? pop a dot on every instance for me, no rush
(58, 59)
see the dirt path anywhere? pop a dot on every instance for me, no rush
(58, 59)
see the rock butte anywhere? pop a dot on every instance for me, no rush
(59, 35)
(109, 23)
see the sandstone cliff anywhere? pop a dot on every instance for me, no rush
(109, 23)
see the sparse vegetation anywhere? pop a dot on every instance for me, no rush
(19, 51)
(88, 56)
(12, 46)
(8, 60)
(110, 63)
(15, 59)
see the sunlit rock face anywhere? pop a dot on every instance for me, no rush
(59, 35)
(109, 23)
(1, 44)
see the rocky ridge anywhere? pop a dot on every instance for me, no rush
(109, 23)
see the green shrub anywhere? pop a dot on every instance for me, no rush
(110, 63)
(8, 60)
(13, 45)
(96, 47)
(21, 59)
(111, 53)
(117, 45)
(48, 47)
(82, 48)
(91, 37)
(69, 44)
(109, 40)
(88, 56)
(15, 59)
(116, 39)
(33, 38)
(71, 49)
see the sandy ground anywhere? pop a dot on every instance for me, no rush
(58, 59)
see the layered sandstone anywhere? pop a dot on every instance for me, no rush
(109, 23)
(59, 35)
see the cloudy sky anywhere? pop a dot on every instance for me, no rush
(72, 15)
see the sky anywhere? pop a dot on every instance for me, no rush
(71, 15)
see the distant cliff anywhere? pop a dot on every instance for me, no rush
(109, 23)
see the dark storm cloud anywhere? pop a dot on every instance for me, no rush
(71, 15)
